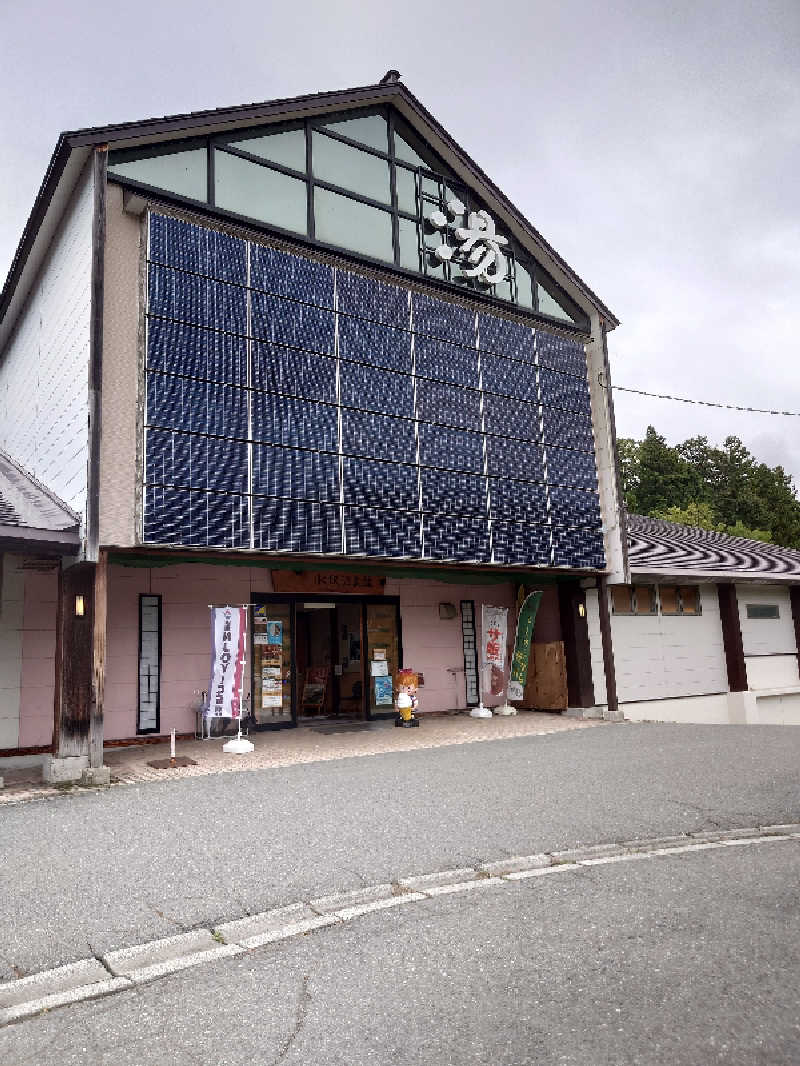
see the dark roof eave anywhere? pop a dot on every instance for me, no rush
(90, 137)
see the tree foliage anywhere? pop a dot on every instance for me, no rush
(720, 488)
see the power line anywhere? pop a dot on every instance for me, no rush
(698, 403)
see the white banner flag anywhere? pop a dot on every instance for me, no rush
(228, 638)
(493, 647)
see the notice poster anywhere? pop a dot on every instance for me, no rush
(522, 646)
(493, 645)
(379, 668)
(228, 636)
(274, 632)
(383, 691)
(271, 687)
(260, 615)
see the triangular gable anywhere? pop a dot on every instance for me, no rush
(363, 181)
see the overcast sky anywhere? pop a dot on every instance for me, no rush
(656, 145)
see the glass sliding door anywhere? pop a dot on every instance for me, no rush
(383, 657)
(272, 664)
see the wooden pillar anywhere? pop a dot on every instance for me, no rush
(98, 660)
(794, 599)
(73, 660)
(732, 638)
(575, 632)
(608, 649)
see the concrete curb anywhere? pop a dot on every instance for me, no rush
(130, 967)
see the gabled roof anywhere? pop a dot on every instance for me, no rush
(658, 548)
(74, 148)
(31, 515)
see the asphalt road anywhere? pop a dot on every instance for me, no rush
(85, 873)
(668, 961)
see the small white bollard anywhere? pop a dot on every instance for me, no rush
(480, 711)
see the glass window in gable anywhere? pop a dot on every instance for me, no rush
(409, 243)
(349, 224)
(259, 192)
(371, 130)
(183, 173)
(287, 148)
(524, 287)
(406, 183)
(404, 151)
(548, 305)
(340, 164)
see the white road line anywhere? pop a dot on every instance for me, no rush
(118, 971)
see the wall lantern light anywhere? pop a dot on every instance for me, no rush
(581, 610)
(80, 607)
(447, 610)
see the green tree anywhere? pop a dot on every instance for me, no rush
(664, 479)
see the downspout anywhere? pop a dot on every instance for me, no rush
(99, 161)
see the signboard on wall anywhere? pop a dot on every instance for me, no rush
(327, 582)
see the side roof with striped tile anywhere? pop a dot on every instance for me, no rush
(664, 548)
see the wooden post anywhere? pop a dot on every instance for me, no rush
(732, 638)
(608, 649)
(794, 599)
(575, 630)
(73, 661)
(98, 661)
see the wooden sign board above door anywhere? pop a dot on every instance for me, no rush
(327, 582)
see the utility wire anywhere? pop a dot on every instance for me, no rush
(699, 403)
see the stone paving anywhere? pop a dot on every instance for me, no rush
(308, 743)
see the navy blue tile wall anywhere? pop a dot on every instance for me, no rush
(450, 322)
(308, 395)
(560, 353)
(504, 337)
(522, 501)
(447, 492)
(296, 278)
(373, 484)
(371, 299)
(453, 449)
(296, 526)
(295, 423)
(376, 390)
(196, 352)
(516, 543)
(517, 459)
(445, 362)
(378, 436)
(458, 537)
(290, 370)
(295, 324)
(567, 429)
(374, 344)
(298, 475)
(394, 534)
(201, 301)
(509, 378)
(187, 246)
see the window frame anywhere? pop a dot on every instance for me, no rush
(758, 607)
(679, 602)
(574, 317)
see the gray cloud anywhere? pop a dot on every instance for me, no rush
(655, 145)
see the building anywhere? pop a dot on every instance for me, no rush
(302, 356)
(708, 630)
(322, 361)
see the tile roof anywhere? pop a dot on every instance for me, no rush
(656, 546)
(28, 508)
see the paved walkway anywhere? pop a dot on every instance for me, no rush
(306, 744)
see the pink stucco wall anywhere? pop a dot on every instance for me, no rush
(37, 680)
(430, 644)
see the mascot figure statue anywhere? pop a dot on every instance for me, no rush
(407, 681)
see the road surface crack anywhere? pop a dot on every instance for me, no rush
(299, 1021)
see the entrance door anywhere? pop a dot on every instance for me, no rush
(272, 677)
(316, 658)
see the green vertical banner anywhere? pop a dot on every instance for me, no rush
(522, 645)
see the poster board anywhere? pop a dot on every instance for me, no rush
(315, 684)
